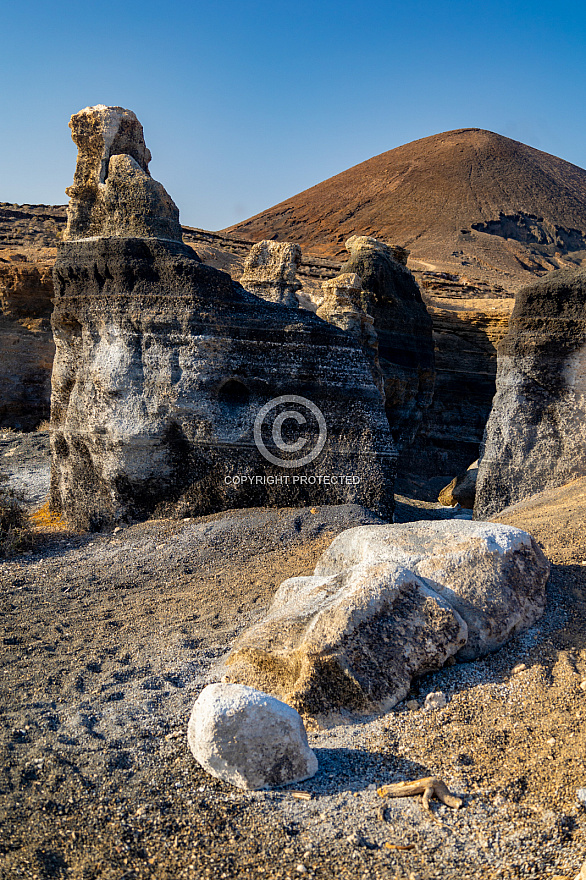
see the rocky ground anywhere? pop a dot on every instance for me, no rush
(108, 639)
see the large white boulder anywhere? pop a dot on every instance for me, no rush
(350, 640)
(387, 603)
(493, 575)
(248, 738)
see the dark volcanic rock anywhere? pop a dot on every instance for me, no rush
(404, 330)
(169, 378)
(535, 437)
(466, 335)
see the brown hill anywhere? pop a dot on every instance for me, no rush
(466, 201)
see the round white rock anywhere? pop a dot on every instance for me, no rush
(248, 738)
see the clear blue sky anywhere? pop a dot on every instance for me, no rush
(247, 102)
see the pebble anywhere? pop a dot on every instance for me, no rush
(301, 869)
(436, 700)
(583, 685)
(581, 796)
(520, 667)
(412, 704)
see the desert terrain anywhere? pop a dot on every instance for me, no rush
(109, 636)
(108, 639)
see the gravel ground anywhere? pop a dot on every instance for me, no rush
(108, 639)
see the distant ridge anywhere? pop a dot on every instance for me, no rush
(467, 200)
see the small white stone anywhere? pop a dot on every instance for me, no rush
(301, 869)
(581, 796)
(520, 667)
(436, 700)
(583, 685)
(249, 738)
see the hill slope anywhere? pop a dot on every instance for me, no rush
(466, 198)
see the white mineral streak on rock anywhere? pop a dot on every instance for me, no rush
(249, 738)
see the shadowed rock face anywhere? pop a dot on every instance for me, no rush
(404, 330)
(535, 438)
(26, 343)
(162, 366)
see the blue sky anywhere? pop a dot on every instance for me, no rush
(247, 102)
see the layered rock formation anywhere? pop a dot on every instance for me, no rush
(468, 324)
(468, 321)
(387, 603)
(174, 389)
(34, 228)
(342, 306)
(404, 333)
(270, 272)
(535, 437)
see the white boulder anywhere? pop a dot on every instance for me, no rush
(248, 738)
(493, 575)
(387, 603)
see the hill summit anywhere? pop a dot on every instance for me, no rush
(467, 201)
